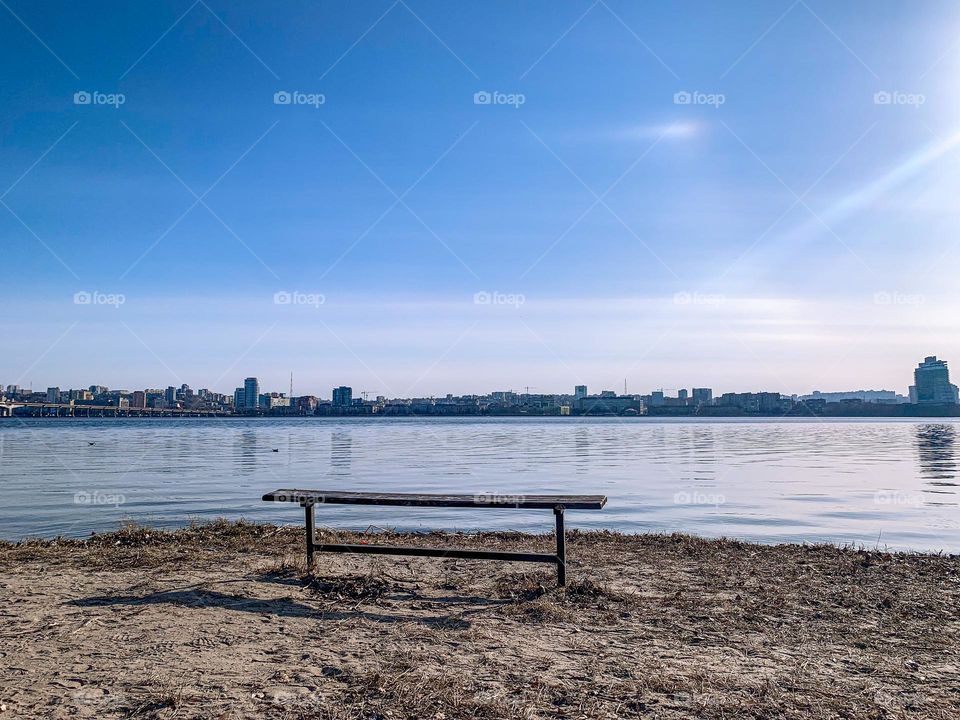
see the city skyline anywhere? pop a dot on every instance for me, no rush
(931, 385)
(327, 392)
(762, 198)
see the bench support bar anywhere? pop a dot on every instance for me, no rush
(560, 559)
(437, 552)
(311, 533)
(561, 548)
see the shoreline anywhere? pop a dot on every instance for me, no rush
(220, 620)
(91, 538)
(929, 415)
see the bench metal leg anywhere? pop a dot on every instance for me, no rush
(561, 548)
(311, 531)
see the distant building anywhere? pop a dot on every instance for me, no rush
(609, 403)
(932, 383)
(251, 394)
(307, 404)
(342, 396)
(682, 395)
(579, 392)
(170, 396)
(273, 401)
(656, 398)
(702, 396)
(139, 399)
(53, 394)
(504, 397)
(885, 397)
(239, 400)
(762, 402)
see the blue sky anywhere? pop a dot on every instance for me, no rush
(793, 226)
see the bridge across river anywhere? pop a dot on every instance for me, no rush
(44, 409)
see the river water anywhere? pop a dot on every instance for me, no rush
(887, 483)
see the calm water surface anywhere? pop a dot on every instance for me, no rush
(892, 482)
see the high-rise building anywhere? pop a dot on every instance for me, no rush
(579, 392)
(170, 396)
(682, 394)
(139, 399)
(702, 396)
(53, 395)
(251, 394)
(342, 396)
(239, 400)
(932, 383)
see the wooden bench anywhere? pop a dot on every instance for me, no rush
(558, 503)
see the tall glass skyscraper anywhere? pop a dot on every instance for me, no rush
(251, 394)
(932, 383)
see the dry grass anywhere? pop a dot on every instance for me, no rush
(223, 621)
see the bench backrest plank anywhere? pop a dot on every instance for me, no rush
(479, 500)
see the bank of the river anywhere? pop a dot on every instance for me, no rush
(217, 621)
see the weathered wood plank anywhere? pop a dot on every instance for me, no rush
(479, 500)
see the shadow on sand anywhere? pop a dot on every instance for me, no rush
(283, 607)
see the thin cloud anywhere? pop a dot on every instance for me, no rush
(643, 132)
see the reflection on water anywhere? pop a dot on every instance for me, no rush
(936, 447)
(341, 452)
(246, 456)
(581, 450)
(823, 480)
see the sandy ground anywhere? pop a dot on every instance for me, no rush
(219, 621)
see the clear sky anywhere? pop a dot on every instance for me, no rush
(469, 196)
